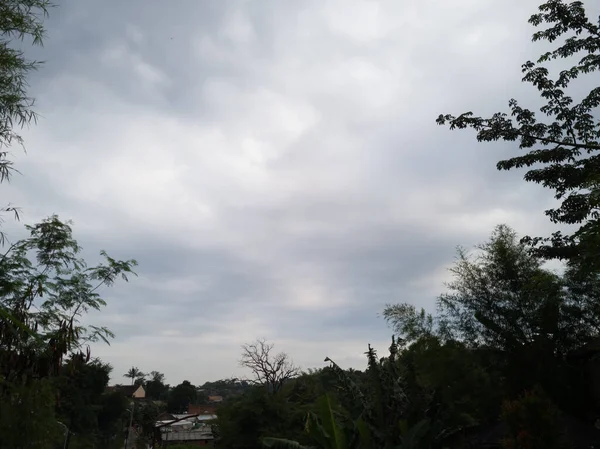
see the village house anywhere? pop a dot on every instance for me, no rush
(131, 391)
(191, 428)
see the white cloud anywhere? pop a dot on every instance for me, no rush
(277, 170)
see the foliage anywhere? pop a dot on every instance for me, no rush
(244, 420)
(144, 421)
(532, 421)
(563, 152)
(384, 419)
(19, 19)
(226, 388)
(527, 320)
(112, 416)
(45, 289)
(181, 397)
(27, 417)
(134, 374)
(42, 300)
(321, 426)
(271, 371)
(451, 385)
(80, 387)
(501, 298)
(155, 387)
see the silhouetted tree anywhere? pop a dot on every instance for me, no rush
(268, 369)
(563, 150)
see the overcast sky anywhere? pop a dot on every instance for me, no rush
(274, 166)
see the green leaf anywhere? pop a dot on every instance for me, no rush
(336, 434)
(365, 437)
(9, 317)
(412, 436)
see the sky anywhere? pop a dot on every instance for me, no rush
(274, 167)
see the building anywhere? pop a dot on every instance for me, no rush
(189, 429)
(131, 391)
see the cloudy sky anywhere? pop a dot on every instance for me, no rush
(274, 167)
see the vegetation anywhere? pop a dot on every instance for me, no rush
(45, 363)
(181, 397)
(270, 370)
(563, 151)
(509, 358)
(19, 19)
(135, 375)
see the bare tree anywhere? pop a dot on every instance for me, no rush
(268, 369)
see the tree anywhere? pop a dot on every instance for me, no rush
(19, 19)
(43, 299)
(133, 374)
(456, 386)
(563, 151)
(532, 422)
(500, 297)
(322, 427)
(181, 397)
(374, 415)
(272, 371)
(45, 290)
(225, 388)
(527, 319)
(144, 421)
(155, 376)
(244, 420)
(379, 409)
(155, 387)
(112, 418)
(81, 386)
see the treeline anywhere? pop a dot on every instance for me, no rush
(510, 358)
(52, 392)
(177, 399)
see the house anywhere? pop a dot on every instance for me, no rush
(194, 437)
(186, 429)
(202, 409)
(215, 399)
(131, 391)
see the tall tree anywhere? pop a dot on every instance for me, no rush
(133, 374)
(268, 369)
(81, 386)
(19, 19)
(155, 386)
(45, 290)
(181, 397)
(504, 302)
(157, 377)
(500, 297)
(244, 420)
(563, 151)
(112, 418)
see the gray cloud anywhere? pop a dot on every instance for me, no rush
(274, 167)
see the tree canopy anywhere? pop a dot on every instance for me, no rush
(19, 20)
(563, 149)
